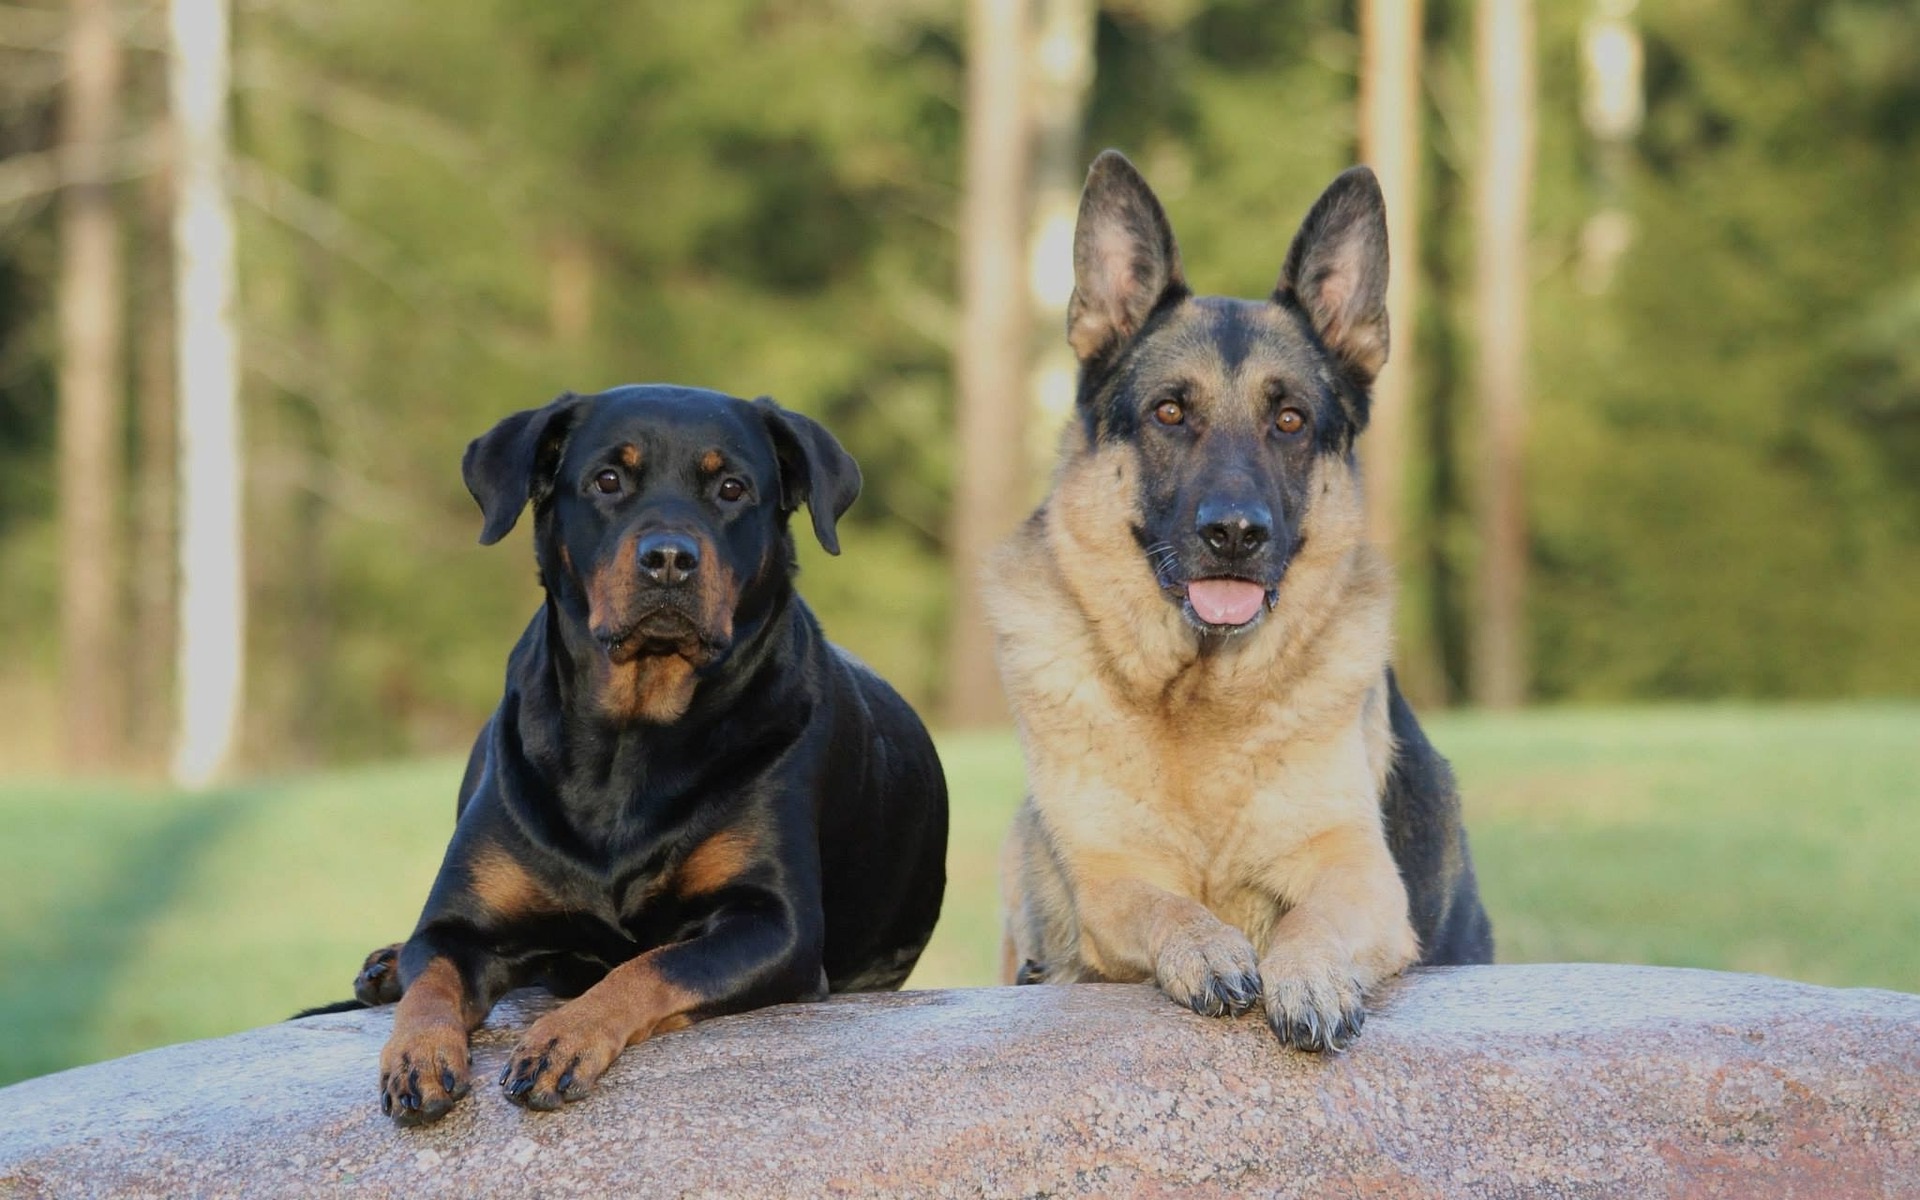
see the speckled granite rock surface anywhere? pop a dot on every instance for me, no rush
(1535, 1081)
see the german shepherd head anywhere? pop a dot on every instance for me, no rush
(1235, 408)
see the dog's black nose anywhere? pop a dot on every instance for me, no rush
(1234, 529)
(668, 558)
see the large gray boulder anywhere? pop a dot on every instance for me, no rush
(1483, 1082)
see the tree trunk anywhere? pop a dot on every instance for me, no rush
(1390, 142)
(1613, 107)
(152, 561)
(1445, 425)
(991, 370)
(1505, 52)
(1063, 64)
(309, 580)
(212, 593)
(91, 403)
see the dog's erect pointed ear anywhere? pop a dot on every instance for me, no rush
(1337, 271)
(513, 463)
(1125, 262)
(815, 469)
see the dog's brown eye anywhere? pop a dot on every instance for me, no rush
(1170, 412)
(1291, 420)
(607, 482)
(732, 489)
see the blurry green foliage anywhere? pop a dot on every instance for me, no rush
(1726, 452)
(455, 208)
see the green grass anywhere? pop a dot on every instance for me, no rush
(1773, 840)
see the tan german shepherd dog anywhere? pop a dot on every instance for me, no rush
(1227, 793)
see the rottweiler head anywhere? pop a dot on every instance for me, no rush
(660, 522)
(1228, 404)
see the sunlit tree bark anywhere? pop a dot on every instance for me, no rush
(1391, 143)
(212, 595)
(1062, 71)
(1612, 107)
(990, 369)
(152, 563)
(311, 589)
(1504, 51)
(91, 393)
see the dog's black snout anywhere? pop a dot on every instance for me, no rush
(668, 558)
(1234, 529)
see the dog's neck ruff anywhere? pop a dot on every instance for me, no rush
(1329, 625)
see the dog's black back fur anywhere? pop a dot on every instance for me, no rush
(1429, 843)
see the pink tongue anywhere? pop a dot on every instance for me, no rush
(1226, 601)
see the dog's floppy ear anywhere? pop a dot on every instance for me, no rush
(513, 463)
(1125, 262)
(1337, 272)
(815, 469)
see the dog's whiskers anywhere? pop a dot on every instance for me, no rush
(1160, 557)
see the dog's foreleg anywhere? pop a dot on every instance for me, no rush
(425, 1064)
(758, 951)
(1345, 931)
(1132, 929)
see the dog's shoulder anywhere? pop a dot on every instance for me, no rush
(1017, 579)
(1047, 648)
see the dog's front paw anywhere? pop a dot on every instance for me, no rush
(423, 1074)
(1213, 971)
(379, 979)
(1315, 997)
(559, 1059)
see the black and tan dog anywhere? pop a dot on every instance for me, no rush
(1228, 794)
(688, 802)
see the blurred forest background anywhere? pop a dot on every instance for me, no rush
(450, 209)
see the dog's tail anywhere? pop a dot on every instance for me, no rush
(338, 1006)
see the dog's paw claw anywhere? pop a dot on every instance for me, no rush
(547, 1070)
(1319, 1014)
(421, 1081)
(1226, 995)
(379, 979)
(1218, 976)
